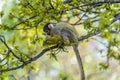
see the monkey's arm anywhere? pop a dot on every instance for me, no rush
(52, 40)
(66, 41)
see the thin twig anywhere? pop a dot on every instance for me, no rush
(23, 22)
(10, 50)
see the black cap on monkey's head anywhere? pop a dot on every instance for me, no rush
(46, 27)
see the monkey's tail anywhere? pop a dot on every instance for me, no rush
(75, 47)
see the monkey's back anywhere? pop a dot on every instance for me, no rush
(63, 25)
(67, 30)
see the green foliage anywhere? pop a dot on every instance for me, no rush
(23, 20)
(87, 24)
(64, 76)
(103, 66)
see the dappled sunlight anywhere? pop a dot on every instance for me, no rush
(25, 53)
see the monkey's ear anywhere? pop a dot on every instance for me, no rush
(50, 26)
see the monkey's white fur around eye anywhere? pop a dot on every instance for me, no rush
(50, 26)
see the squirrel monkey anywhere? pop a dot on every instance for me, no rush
(67, 35)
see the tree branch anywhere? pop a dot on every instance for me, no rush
(93, 4)
(22, 22)
(89, 35)
(44, 51)
(9, 49)
(30, 60)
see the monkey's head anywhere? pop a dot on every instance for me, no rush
(47, 28)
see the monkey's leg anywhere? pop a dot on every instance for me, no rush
(75, 47)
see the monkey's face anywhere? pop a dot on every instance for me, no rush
(47, 32)
(47, 28)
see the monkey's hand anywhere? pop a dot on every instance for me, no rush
(60, 44)
(51, 40)
(45, 43)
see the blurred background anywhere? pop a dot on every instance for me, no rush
(62, 67)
